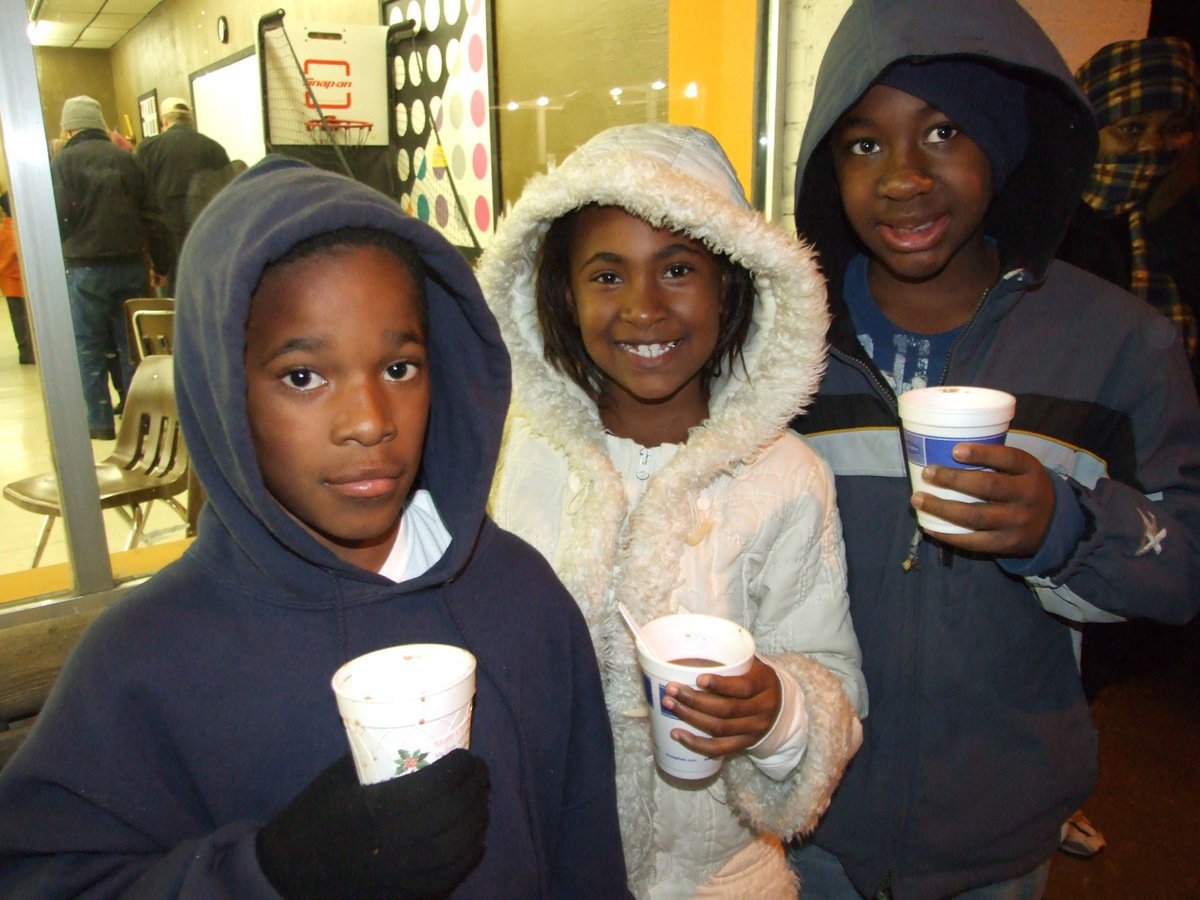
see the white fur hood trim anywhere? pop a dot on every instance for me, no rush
(783, 368)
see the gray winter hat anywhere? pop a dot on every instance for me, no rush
(82, 112)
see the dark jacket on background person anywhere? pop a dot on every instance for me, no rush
(200, 703)
(170, 160)
(980, 744)
(105, 213)
(1100, 244)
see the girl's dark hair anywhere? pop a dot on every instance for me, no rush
(330, 242)
(560, 326)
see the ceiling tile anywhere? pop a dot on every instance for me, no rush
(114, 18)
(123, 21)
(66, 18)
(141, 7)
(88, 6)
(54, 33)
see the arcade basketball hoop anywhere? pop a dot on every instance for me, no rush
(350, 133)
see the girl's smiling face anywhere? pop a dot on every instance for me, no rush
(647, 302)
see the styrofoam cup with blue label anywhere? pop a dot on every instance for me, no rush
(934, 421)
(681, 648)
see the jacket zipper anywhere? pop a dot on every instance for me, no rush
(643, 469)
(910, 562)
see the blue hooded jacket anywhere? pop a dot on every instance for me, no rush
(199, 704)
(980, 743)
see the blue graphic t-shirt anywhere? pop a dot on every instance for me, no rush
(907, 359)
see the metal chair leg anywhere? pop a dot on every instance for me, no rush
(178, 507)
(43, 539)
(139, 522)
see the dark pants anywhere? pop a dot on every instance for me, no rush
(98, 295)
(20, 325)
(823, 878)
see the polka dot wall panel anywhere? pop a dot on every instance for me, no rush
(441, 94)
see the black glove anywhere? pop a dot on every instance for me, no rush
(411, 837)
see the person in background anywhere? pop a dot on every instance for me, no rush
(342, 389)
(12, 287)
(1139, 223)
(170, 160)
(663, 335)
(946, 151)
(108, 227)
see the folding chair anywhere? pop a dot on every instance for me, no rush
(149, 326)
(148, 463)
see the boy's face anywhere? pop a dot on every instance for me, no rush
(915, 189)
(648, 303)
(337, 391)
(1157, 130)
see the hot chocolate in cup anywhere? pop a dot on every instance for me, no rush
(405, 707)
(934, 421)
(681, 648)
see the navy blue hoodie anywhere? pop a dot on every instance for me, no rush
(200, 703)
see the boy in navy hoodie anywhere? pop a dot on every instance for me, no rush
(946, 150)
(342, 388)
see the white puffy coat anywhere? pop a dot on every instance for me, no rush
(741, 523)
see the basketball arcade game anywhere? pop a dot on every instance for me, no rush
(366, 101)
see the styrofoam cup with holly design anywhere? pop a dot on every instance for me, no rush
(405, 706)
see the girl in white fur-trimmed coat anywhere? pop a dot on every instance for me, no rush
(662, 336)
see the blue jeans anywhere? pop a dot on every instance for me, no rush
(822, 878)
(98, 295)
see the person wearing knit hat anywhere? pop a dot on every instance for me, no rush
(173, 161)
(108, 226)
(987, 105)
(1141, 223)
(82, 113)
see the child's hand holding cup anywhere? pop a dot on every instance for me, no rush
(934, 421)
(405, 707)
(680, 648)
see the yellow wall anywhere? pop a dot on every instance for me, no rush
(712, 43)
(66, 73)
(602, 51)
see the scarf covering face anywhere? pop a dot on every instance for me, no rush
(1123, 182)
(1128, 78)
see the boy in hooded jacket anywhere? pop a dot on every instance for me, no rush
(657, 326)
(342, 389)
(947, 147)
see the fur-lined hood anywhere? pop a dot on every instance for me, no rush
(678, 178)
(558, 487)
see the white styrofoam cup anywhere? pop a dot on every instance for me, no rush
(728, 646)
(405, 707)
(934, 421)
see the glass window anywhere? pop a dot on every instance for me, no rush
(48, 454)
